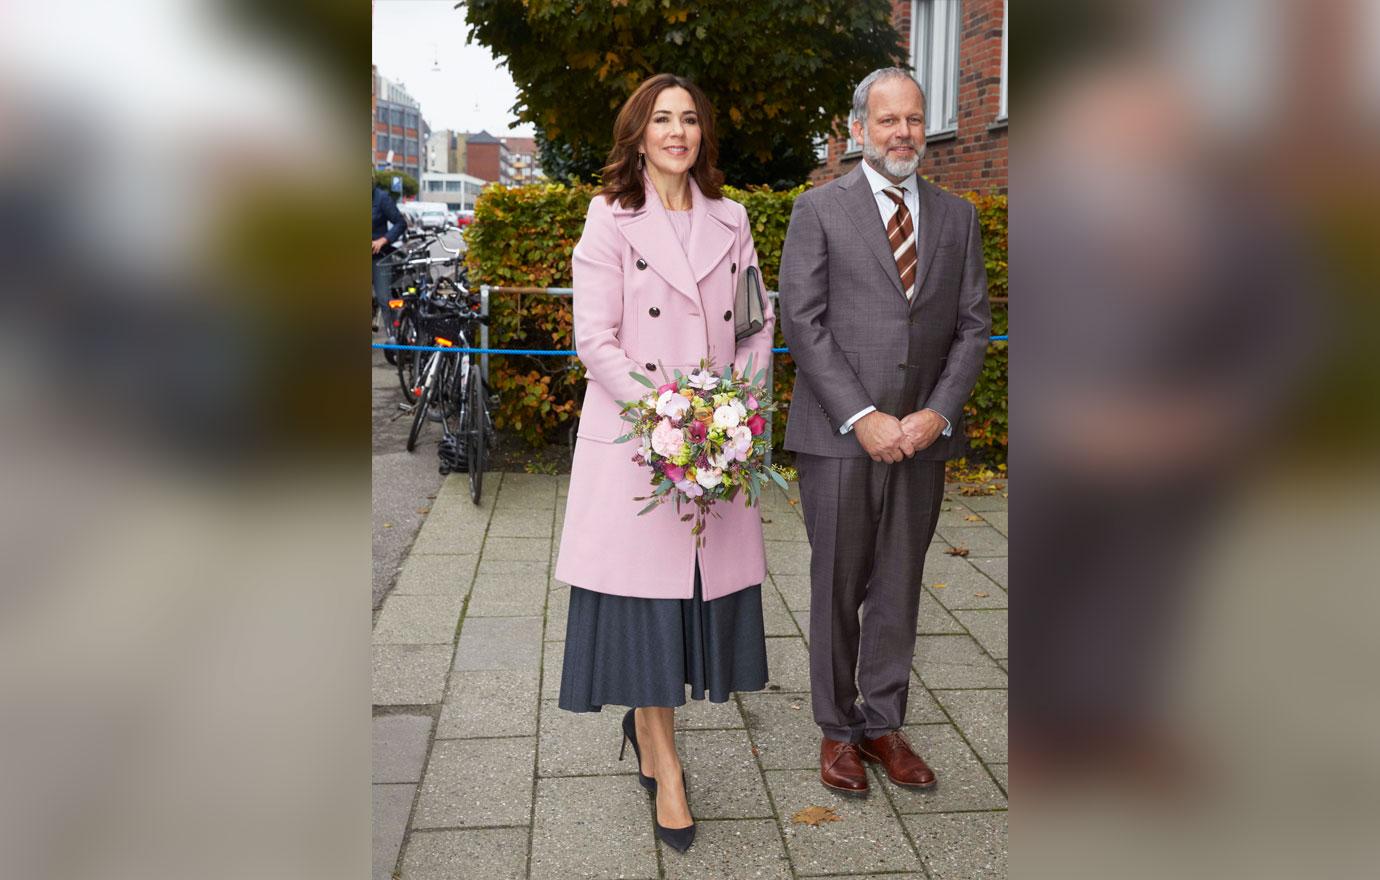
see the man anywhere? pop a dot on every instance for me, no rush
(884, 307)
(388, 228)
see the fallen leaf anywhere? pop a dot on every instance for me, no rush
(791, 501)
(773, 687)
(430, 497)
(938, 586)
(755, 753)
(973, 517)
(981, 595)
(388, 525)
(815, 816)
(765, 520)
(946, 508)
(424, 510)
(957, 551)
(795, 705)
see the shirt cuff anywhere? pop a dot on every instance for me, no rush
(948, 425)
(848, 425)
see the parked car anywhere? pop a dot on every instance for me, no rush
(463, 218)
(426, 215)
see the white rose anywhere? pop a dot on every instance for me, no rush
(709, 477)
(726, 416)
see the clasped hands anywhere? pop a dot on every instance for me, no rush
(887, 438)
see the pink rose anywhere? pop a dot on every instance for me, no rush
(673, 472)
(667, 439)
(669, 386)
(757, 425)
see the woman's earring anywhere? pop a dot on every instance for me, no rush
(641, 161)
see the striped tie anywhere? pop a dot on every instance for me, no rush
(900, 231)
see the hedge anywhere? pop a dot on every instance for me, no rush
(523, 237)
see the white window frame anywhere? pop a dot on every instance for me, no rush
(1001, 112)
(936, 28)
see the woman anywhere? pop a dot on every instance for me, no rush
(654, 274)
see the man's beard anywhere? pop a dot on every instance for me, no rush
(895, 168)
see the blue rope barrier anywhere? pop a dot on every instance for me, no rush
(534, 351)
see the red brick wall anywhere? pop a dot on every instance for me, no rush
(975, 157)
(481, 160)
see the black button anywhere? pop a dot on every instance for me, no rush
(651, 368)
(728, 316)
(900, 366)
(654, 311)
(641, 263)
(733, 267)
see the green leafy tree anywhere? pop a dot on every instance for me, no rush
(778, 72)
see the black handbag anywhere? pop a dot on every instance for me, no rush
(749, 306)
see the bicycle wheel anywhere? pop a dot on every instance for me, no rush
(409, 362)
(419, 415)
(476, 434)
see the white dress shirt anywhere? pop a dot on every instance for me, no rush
(886, 207)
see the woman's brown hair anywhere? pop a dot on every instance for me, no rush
(623, 174)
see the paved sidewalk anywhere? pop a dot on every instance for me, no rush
(477, 773)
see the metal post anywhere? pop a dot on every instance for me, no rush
(484, 332)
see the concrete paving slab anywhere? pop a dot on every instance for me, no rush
(499, 643)
(994, 567)
(557, 612)
(955, 662)
(963, 783)
(477, 782)
(746, 849)
(592, 826)
(582, 743)
(508, 596)
(981, 716)
(998, 521)
(984, 503)
(788, 664)
(1002, 775)
(510, 523)
(400, 743)
(553, 663)
(782, 526)
(776, 617)
(963, 587)
(933, 618)
(802, 621)
(450, 534)
(489, 704)
(724, 782)
(867, 839)
(794, 589)
(704, 714)
(409, 675)
(445, 575)
(983, 541)
(392, 805)
(480, 853)
(988, 627)
(783, 729)
(788, 557)
(418, 620)
(517, 549)
(961, 846)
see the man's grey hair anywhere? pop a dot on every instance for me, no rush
(864, 90)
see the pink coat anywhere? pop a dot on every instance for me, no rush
(640, 300)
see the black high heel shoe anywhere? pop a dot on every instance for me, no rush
(630, 736)
(678, 839)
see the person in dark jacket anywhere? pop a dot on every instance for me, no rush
(389, 226)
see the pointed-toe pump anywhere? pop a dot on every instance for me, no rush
(630, 736)
(678, 839)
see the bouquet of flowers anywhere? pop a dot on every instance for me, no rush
(703, 436)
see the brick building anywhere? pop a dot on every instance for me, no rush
(398, 126)
(958, 49)
(526, 165)
(488, 158)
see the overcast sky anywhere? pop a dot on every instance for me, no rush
(471, 90)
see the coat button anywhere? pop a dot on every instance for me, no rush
(900, 366)
(732, 267)
(728, 316)
(641, 263)
(651, 368)
(654, 311)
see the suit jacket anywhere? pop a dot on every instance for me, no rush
(855, 340)
(642, 302)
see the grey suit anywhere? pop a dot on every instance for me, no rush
(857, 342)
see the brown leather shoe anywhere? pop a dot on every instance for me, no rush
(902, 765)
(841, 767)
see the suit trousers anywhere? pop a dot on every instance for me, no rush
(869, 525)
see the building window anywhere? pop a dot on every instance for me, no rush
(822, 150)
(383, 114)
(453, 186)
(852, 147)
(395, 116)
(934, 53)
(1001, 113)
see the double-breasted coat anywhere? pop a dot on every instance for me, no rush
(644, 303)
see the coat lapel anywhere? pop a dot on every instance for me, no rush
(928, 226)
(649, 231)
(712, 233)
(861, 205)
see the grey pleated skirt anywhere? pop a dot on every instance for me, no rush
(630, 651)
